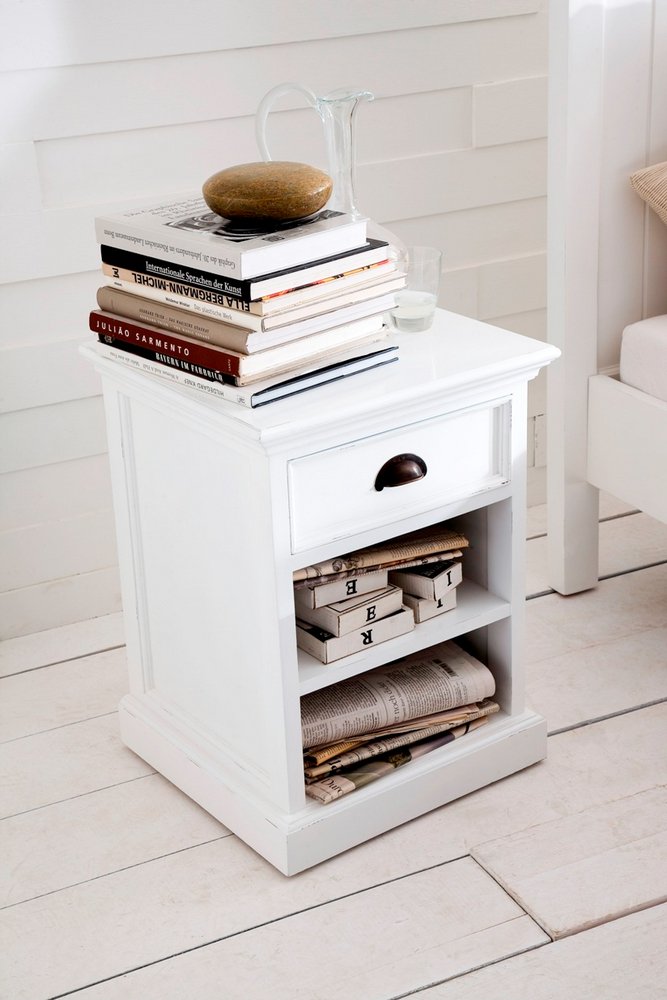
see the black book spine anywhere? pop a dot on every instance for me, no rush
(242, 290)
(175, 272)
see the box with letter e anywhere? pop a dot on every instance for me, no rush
(343, 617)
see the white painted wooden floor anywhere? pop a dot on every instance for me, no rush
(549, 884)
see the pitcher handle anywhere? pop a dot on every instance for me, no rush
(265, 107)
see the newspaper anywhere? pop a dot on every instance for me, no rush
(411, 546)
(375, 747)
(318, 755)
(313, 583)
(439, 678)
(451, 717)
(337, 785)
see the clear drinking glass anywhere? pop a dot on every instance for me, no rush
(415, 304)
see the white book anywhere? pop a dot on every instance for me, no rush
(319, 595)
(310, 317)
(354, 613)
(425, 609)
(327, 648)
(280, 310)
(320, 291)
(432, 580)
(185, 230)
(127, 302)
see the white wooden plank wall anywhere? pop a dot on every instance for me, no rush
(106, 104)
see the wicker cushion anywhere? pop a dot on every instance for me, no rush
(651, 185)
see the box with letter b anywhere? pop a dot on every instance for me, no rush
(318, 595)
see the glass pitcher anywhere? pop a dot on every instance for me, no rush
(337, 112)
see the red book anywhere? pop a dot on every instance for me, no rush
(190, 354)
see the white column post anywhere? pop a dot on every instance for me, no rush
(575, 141)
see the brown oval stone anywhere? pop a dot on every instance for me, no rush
(277, 190)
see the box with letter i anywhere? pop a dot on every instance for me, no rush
(327, 647)
(432, 581)
(317, 595)
(423, 608)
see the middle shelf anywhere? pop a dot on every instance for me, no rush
(476, 608)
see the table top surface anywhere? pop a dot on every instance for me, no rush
(456, 354)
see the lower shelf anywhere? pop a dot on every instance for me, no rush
(295, 841)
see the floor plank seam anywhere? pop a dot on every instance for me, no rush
(540, 593)
(601, 921)
(505, 958)
(115, 871)
(69, 659)
(633, 569)
(609, 715)
(508, 892)
(54, 729)
(601, 579)
(466, 972)
(602, 520)
(616, 517)
(254, 927)
(71, 798)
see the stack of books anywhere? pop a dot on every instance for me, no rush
(243, 314)
(376, 593)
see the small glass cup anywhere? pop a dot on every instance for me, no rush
(415, 304)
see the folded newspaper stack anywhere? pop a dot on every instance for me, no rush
(413, 549)
(360, 729)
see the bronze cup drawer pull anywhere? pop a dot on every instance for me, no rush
(399, 470)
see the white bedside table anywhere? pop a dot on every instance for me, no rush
(217, 504)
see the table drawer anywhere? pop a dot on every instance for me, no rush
(333, 493)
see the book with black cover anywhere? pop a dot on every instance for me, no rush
(272, 283)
